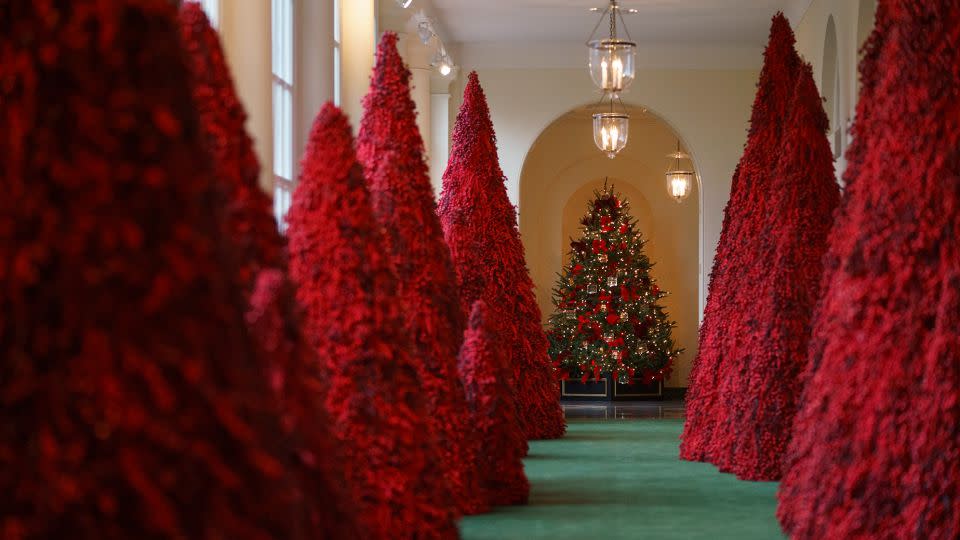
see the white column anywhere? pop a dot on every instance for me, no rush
(314, 67)
(358, 31)
(417, 57)
(440, 141)
(245, 30)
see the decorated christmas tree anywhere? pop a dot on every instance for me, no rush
(480, 227)
(391, 151)
(875, 451)
(354, 320)
(608, 318)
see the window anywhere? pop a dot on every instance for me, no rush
(336, 52)
(282, 62)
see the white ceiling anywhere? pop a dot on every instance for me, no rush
(685, 22)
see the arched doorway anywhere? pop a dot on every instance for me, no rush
(559, 174)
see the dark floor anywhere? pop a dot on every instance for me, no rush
(624, 410)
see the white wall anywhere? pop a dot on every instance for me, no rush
(853, 20)
(709, 109)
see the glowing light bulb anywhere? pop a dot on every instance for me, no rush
(617, 75)
(445, 69)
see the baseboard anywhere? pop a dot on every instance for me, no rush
(674, 394)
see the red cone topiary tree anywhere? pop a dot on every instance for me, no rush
(875, 450)
(274, 317)
(722, 328)
(391, 150)
(260, 265)
(480, 226)
(354, 319)
(134, 404)
(249, 222)
(785, 280)
(481, 364)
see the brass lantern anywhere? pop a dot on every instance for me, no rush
(679, 180)
(612, 60)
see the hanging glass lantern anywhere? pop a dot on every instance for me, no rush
(612, 60)
(610, 131)
(679, 181)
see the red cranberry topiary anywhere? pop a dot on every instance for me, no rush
(785, 279)
(723, 329)
(480, 226)
(482, 364)
(274, 317)
(134, 404)
(876, 445)
(354, 319)
(249, 222)
(391, 150)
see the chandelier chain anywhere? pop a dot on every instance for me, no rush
(613, 19)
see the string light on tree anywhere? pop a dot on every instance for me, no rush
(607, 319)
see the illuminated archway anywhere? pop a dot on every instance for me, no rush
(559, 174)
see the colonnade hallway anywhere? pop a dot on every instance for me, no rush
(616, 475)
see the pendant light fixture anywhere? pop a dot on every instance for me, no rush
(679, 181)
(612, 60)
(611, 130)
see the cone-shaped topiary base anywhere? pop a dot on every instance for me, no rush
(503, 444)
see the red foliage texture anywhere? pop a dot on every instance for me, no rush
(391, 150)
(494, 410)
(722, 327)
(249, 220)
(785, 280)
(480, 226)
(260, 266)
(134, 403)
(876, 446)
(354, 321)
(274, 317)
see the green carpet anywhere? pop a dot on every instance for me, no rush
(622, 479)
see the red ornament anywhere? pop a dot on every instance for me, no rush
(624, 228)
(355, 320)
(750, 187)
(874, 452)
(577, 268)
(391, 151)
(613, 318)
(474, 205)
(482, 365)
